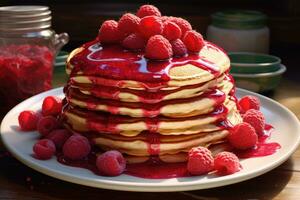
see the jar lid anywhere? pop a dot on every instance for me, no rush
(24, 18)
(239, 19)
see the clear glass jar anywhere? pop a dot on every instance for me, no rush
(240, 31)
(28, 47)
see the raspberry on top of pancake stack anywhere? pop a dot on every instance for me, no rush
(150, 86)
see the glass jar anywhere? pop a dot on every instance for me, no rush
(28, 47)
(240, 31)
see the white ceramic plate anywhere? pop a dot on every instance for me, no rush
(287, 133)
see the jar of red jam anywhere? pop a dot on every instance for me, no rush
(28, 47)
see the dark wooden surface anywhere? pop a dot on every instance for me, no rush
(20, 182)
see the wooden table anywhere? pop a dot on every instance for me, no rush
(20, 182)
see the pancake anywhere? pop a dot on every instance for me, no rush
(128, 95)
(202, 104)
(155, 144)
(84, 64)
(85, 121)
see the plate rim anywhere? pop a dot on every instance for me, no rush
(151, 187)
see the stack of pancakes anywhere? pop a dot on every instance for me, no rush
(195, 106)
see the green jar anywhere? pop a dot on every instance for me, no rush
(240, 31)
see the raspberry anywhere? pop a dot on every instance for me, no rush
(242, 136)
(128, 23)
(158, 48)
(193, 41)
(182, 23)
(148, 10)
(111, 163)
(249, 102)
(179, 49)
(51, 106)
(134, 41)
(76, 147)
(166, 18)
(59, 137)
(150, 26)
(44, 149)
(226, 163)
(28, 120)
(200, 161)
(46, 125)
(256, 119)
(109, 32)
(171, 31)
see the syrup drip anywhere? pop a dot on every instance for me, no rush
(117, 65)
(153, 141)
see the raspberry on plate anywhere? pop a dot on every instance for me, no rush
(242, 136)
(109, 32)
(226, 163)
(111, 163)
(200, 161)
(46, 125)
(76, 147)
(179, 49)
(44, 149)
(59, 137)
(148, 10)
(182, 23)
(158, 48)
(256, 119)
(249, 102)
(193, 41)
(134, 41)
(51, 106)
(150, 25)
(171, 31)
(128, 23)
(28, 120)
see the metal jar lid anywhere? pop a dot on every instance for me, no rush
(239, 19)
(24, 18)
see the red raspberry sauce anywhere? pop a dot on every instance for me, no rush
(25, 70)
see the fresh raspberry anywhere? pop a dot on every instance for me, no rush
(256, 119)
(128, 23)
(158, 48)
(249, 102)
(111, 163)
(59, 137)
(28, 120)
(44, 149)
(242, 136)
(109, 32)
(166, 18)
(193, 41)
(134, 41)
(182, 23)
(148, 10)
(51, 106)
(179, 49)
(76, 147)
(200, 161)
(46, 125)
(171, 31)
(150, 26)
(227, 163)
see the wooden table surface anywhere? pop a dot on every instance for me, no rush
(20, 182)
